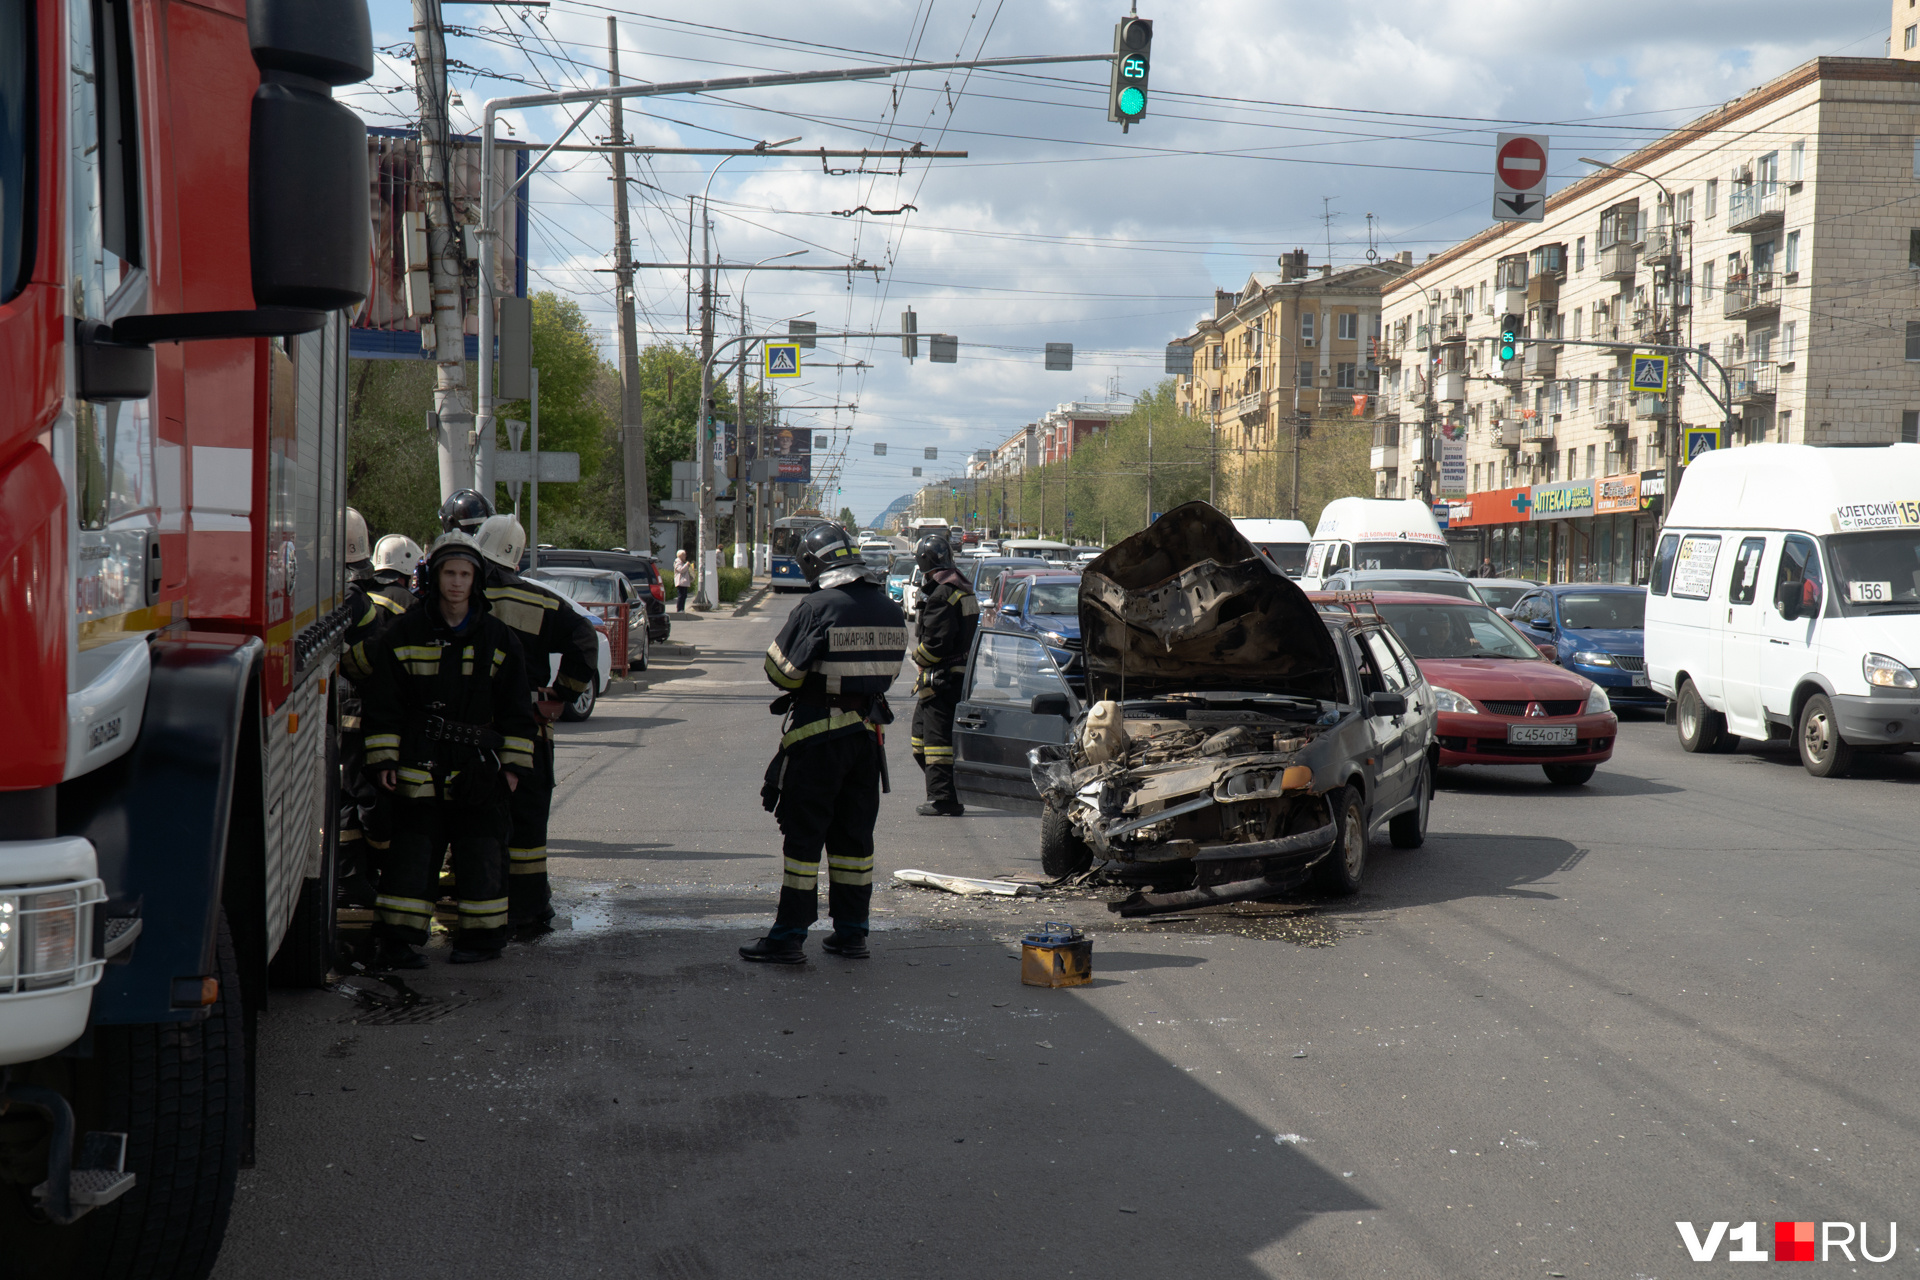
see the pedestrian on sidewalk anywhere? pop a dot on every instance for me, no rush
(833, 661)
(682, 578)
(1486, 569)
(949, 615)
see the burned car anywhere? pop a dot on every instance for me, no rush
(1234, 742)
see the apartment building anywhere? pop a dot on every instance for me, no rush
(1067, 425)
(1779, 234)
(1287, 347)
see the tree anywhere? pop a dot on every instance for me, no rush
(849, 521)
(575, 417)
(393, 467)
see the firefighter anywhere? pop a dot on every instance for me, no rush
(374, 602)
(463, 512)
(546, 624)
(949, 615)
(834, 660)
(450, 733)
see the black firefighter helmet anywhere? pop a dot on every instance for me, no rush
(827, 546)
(464, 511)
(933, 553)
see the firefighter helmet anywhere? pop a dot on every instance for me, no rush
(827, 546)
(502, 540)
(358, 548)
(464, 511)
(453, 546)
(397, 552)
(933, 553)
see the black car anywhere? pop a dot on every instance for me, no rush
(1233, 743)
(641, 571)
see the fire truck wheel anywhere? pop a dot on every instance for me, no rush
(178, 1091)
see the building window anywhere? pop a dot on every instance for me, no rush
(1580, 254)
(1792, 262)
(1787, 333)
(1343, 376)
(1683, 208)
(1214, 401)
(1786, 426)
(1573, 394)
(1303, 374)
(1913, 339)
(1797, 161)
(1713, 196)
(1590, 449)
(1706, 277)
(1306, 325)
(1349, 326)
(1911, 36)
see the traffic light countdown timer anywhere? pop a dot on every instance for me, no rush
(1133, 47)
(1509, 338)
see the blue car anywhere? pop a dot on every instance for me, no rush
(1047, 606)
(1598, 630)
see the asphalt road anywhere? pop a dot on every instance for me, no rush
(1683, 992)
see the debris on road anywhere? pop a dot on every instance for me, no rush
(966, 886)
(1056, 955)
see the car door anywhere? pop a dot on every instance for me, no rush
(1015, 612)
(995, 725)
(1786, 646)
(1741, 639)
(1394, 736)
(1531, 615)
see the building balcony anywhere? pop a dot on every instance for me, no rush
(1510, 301)
(1251, 409)
(1755, 208)
(1661, 245)
(1450, 386)
(1619, 261)
(1453, 328)
(1385, 457)
(1540, 359)
(1756, 382)
(1506, 433)
(1536, 430)
(1543, 288)
(1650, 408)
(1751, 297)
(1615, 413)
(1644, 323)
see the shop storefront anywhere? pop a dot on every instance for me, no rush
(1576, 531)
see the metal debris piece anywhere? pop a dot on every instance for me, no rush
(967, 886)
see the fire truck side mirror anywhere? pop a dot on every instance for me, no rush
(308, 155)
(106, 371)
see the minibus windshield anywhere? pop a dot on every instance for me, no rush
(1876, 572)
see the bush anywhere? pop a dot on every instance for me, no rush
(734, 584)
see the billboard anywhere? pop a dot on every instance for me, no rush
(791, 451)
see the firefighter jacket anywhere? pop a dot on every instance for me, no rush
(448, 708)
(836, 657)
(949, 615)
(547, 624)
(374, 606)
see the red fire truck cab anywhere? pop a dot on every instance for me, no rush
(183, 215)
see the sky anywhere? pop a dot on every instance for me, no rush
(1343, 129)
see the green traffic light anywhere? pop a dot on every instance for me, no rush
(1132, 101)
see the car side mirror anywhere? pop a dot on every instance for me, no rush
(1540, 624)
(1550, 652)
(1505, 613)
(1048, 704)
(1786, 598)
(1386, 704)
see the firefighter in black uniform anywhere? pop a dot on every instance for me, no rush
(377, 597)
(450, 733)
(949, 615)
(546, 625)
(463, 512)
(834, 659)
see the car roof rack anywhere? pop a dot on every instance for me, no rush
(1356, 604)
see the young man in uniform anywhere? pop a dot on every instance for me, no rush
(834, 660)
(377, 597)
(450, 733)
(949, 615)
(546, 625)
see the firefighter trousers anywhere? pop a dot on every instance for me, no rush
(366, 823)
(529, 894)
(829, 799)
(410, 872)
(933, 746)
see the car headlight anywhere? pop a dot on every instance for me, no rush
(1057, 638)
(1888, 674)
(1593, 658)
(1448, 700)
(1597, 701)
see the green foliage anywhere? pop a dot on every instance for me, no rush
(579, 401)
(849, 521)
(393, 465)
(733, 583)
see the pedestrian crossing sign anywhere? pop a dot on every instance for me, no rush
(783, 359)
(1699, 440)
(1649, 373)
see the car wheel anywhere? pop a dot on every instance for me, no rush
(1409, 830)
(1822, 750)
(1340, 872)
(1568, 775)
(581, 707)
(1062, 851)
(1701, 731)
(640, 663)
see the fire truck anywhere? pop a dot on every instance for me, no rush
(183, 219)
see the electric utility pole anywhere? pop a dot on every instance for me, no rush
(452, 411)
(633, 432)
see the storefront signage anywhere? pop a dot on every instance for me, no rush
(1617, 493)
(1453, 467)
(1492, 506)
(1561, 501)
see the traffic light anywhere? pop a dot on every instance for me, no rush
(1509, 338)
(1132, 47)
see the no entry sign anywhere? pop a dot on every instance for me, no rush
(1519, 177)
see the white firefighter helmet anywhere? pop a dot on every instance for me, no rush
(359, 546)
(502, 540)
(398, 552)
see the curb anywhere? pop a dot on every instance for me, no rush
(748, 601)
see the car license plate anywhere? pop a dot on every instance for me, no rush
(1639, 679)
(1542, 735)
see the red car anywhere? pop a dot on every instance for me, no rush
(1499, 700)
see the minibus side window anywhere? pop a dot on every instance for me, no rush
(1746, 571)
(1663, 564)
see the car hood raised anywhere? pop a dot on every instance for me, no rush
(1188, 604)
(1505, 679)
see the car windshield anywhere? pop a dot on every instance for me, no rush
(879, 559)
(1400, 555)
(1291, 557)
(987, 574)
(1054, 597)
(595, 590)
(1881, 568)
(1604, 611)
(1433, 586)
(1501, 597)
(1456, 631)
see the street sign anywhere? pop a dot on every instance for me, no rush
(1443, 514)
(1519, 177)
(933, 452)
(1699, 440)
(916, 471)
(556, 467)
(879, 451)
(783, 359)
(1649, 373)
(1179, 360)
(1059, 355)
